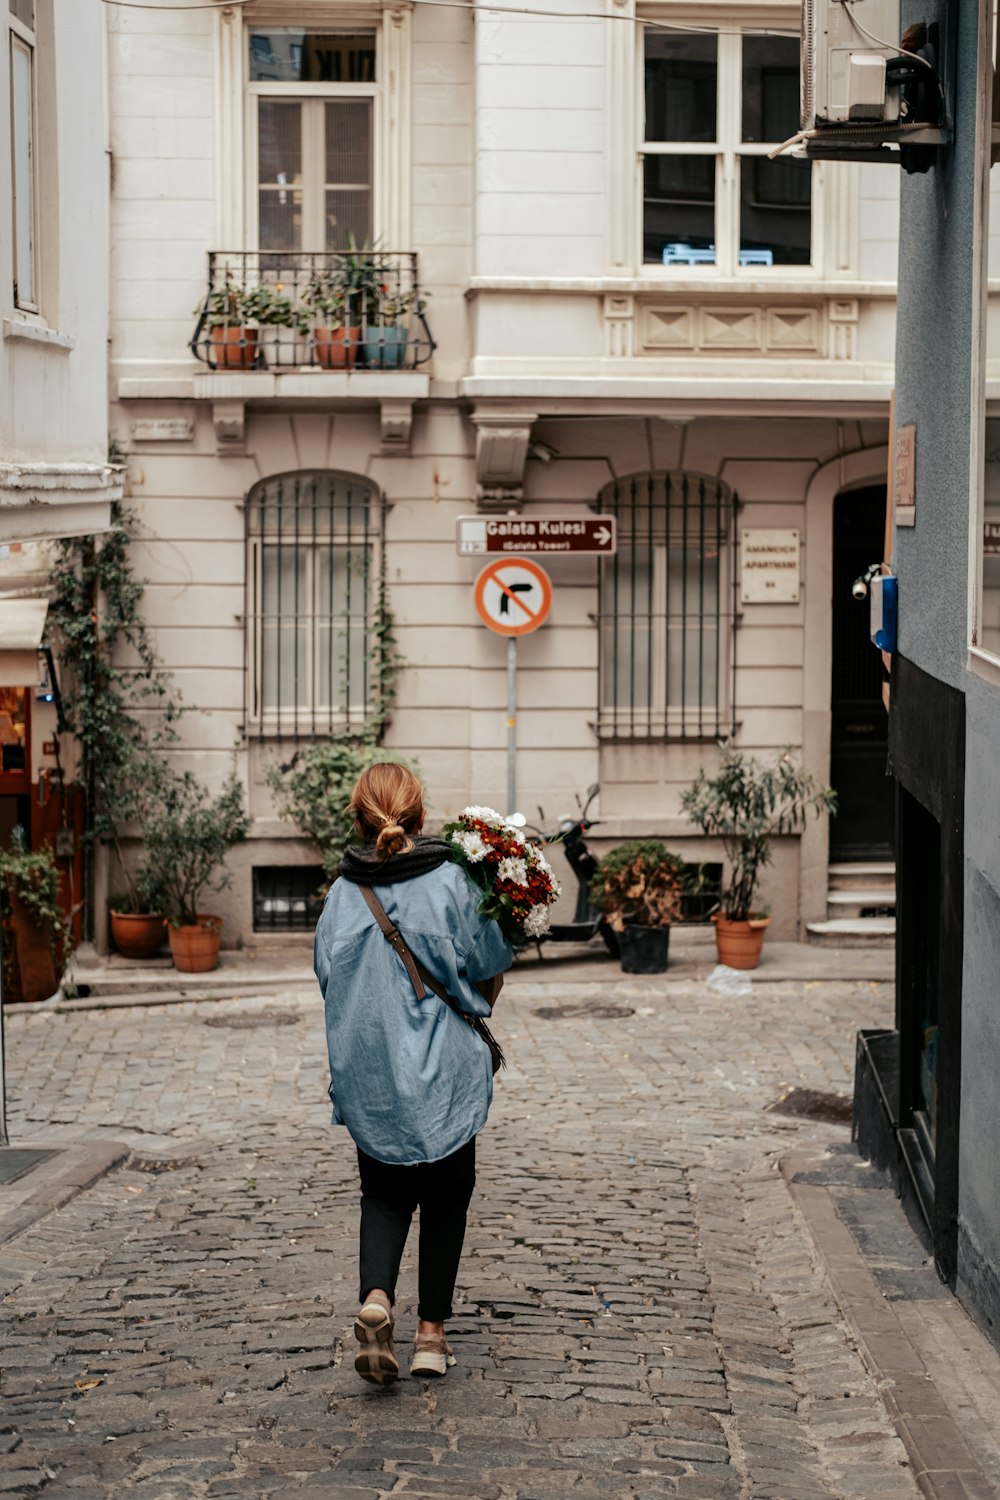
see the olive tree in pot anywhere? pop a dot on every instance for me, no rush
(638, 886)
(747, 803)
(187, 840)
(137, 914)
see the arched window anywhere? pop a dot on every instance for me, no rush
(666, 612)
(312, 584)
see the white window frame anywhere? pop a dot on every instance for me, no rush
(22, 38)
(727, 149)
(237, 217)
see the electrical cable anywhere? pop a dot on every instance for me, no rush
(889, 46)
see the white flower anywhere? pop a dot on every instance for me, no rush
(487, 815)
(475, 849)
(514, 870)
(516, 820)
(542, 863)
(536, 923)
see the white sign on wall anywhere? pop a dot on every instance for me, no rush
(769, 567)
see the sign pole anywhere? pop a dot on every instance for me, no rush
(511, 724)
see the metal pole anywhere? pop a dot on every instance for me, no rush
(511, 724)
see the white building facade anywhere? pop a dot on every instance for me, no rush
(55, 477)
(611, 301)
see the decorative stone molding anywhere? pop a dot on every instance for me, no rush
(502, 441)
(396, 419)
(228, 418)
(793, 330)
(844, 314)
(619, 327)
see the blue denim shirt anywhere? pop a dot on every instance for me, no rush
(410, 1079)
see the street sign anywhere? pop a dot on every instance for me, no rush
(478, 535)
(513, 596)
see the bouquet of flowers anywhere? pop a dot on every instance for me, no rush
(515, 877)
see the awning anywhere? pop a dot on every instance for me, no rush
(21, 624)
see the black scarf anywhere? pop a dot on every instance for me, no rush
(362, 865)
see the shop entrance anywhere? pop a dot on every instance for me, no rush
(863, 827)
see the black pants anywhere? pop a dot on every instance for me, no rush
(389, 1194)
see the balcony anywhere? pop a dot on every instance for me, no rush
(277, 327)
(345, 312)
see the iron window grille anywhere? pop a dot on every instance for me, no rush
(290, 309)
(668, 610)
(287, 898)
(313, 589)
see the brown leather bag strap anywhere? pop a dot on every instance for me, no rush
(393, 935)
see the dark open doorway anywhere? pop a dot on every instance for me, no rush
(863, 827)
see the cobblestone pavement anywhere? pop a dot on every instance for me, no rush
(639, 1313)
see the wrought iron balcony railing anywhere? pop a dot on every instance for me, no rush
(345, 310)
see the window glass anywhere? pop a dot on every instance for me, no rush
(295, 54)
(681, 90)
(989, 631)
(348, 187)
(24, 11)
(678, 211)
(770, 88)
(24, 187)
(13, 726)
(279, 127)
(775, 217)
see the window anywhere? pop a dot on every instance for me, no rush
(313, 561)
(22, 131)
(716, 103)
(313, 96)
(665, 612)
(287, 898)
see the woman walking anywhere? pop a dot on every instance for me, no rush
(411, 1080)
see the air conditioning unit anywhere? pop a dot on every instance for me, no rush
(845, 46)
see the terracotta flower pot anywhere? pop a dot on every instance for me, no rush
(37, 974)
(337, 348)
(233, 347)
(738, 944)
(137, 934)
(195, 950)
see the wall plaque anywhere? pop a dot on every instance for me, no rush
(163, 429)
(769, 567)
(904, 476)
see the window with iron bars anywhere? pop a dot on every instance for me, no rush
(313, 571)
(667, 609)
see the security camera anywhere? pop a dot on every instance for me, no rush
(859, 588)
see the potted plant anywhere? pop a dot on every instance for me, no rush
(33, 919)
(235, 315)
(187, 839)
(638, 886)
(137, 914)
(746, 804)
(387, 325)
(336, 338)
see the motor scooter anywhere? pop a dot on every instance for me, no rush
(587, 921)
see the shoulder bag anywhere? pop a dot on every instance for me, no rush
(422, 981)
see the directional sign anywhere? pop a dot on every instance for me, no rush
(535, 534)
(513, 596)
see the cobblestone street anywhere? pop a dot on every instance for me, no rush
(640, 1313)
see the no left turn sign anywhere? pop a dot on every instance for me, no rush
(513, 596)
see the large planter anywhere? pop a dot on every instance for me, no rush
(644, 950)
(195, 950)
(37, 977)
(337, 348)
(738, 944)
(385, 347)
(233, 347)
(137, 934)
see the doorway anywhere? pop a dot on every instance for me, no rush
(859, 733)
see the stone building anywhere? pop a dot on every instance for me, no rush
(629, 310)
(55, 479)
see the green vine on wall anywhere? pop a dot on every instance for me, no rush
(95, 612)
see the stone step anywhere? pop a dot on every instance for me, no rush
(863, 872)
(857, 932)
(873, 901)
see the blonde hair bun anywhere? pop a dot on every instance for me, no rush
(388, 807)
(393, 839)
